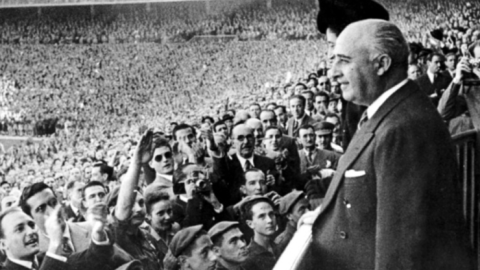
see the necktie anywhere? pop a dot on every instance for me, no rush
(66, 248)
(248, 165)
(363, 119)
(34, 265)
(295, 125)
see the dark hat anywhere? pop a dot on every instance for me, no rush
(227, 117)
(340, 13)
(221, 227)
(184, 238)
(288, 201)
(447, 51)
(415, 47)
(324, 128)
(425, 52)
(437, 34)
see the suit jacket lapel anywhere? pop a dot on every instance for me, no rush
(361, 139)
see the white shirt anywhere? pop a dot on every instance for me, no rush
(166, 176)
(75, 210)
(430, 75)
(242, 161)
(26, 264)
(373, 108)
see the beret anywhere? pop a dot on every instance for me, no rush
(340, 13)
(437, 34)
(324, 128)
(184, 238)
(221, 227)
(288, 201)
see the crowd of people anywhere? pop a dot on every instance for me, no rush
(189, 155)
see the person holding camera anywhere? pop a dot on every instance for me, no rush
(453, 105)
(198, 200)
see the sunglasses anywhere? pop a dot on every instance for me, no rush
(243, 137)
(167, 155)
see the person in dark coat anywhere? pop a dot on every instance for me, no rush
(387, 202)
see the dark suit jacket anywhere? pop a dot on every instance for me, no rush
(439, 86)
(307, 120)
(48, 264)
(230, 176)
(69, 214)
(400, 207)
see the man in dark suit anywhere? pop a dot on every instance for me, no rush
(387, 203)
(72, 208)
(230, 171)
(299, 118)
(434, 82)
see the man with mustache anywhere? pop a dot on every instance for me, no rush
(229, 245)
(230, 171)
(129, 209)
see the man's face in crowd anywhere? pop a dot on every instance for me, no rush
(281, 115)
(97, 175)
(257, 131)
(94, 195)
(263, 221)
(187, 136)
(7, 188)
(297, 107)
(273, 139)
(161, 215)
(100, 154)
(255, 184)
(307, 138)
(87, 173)
(298, 210)
(202, 256)
(233, 248)
(229, 123)
(435, 64)
(75, 174)
(41, 205)
(9, 202)
(20, 236)
(324, 140)
(138, 211)
(255, 111)
(414, 72)
(324, 84)
(299, 89)
(49, 182)
(76, 193)
(321, 103)
(308, 100)
(243, 140)
(451, 62)
(222, 129)
(268, 119)
(162, 160)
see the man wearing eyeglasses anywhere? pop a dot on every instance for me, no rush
(161, 166)
(230, 171)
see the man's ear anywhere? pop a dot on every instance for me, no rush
(384, 63)
(182, 260)
(216, 250)
(249, 223)
(3, 244)
(289, 216)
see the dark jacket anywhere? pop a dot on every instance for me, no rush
(389, 206)
(259, 258)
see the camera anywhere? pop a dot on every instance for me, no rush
(475, 63)
(201, 182)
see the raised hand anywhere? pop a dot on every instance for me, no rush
(144, 150)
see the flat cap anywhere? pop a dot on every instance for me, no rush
(324, 128)
(340, 13)
(288, 201)
(252, 198)
(184, 238)
(221, 227)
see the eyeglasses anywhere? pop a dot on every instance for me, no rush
(243, 137)
(167, 155)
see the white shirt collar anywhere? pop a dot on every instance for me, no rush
(373, 108)
(166, 176)
(430, 75)
(242, 161)
(75, 210)
(26, 264)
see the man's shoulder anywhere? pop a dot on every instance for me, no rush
(9, 265)
(261, 160)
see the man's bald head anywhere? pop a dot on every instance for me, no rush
(371, 56)
(257, 127)
(241, 115)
